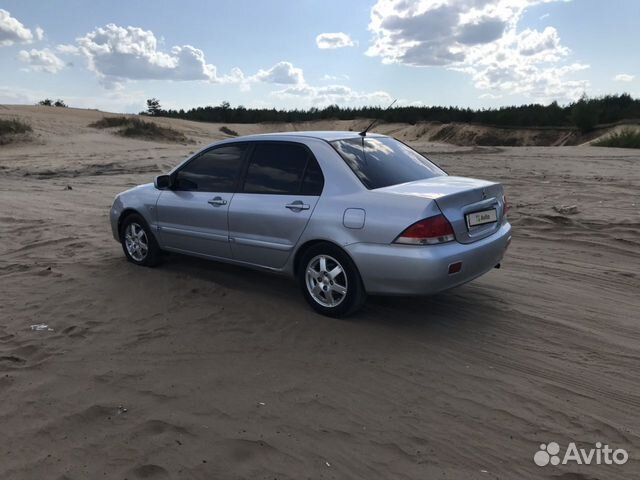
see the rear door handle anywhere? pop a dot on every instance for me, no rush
(217, 201)
(297, 206)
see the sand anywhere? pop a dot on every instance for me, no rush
(196, 370)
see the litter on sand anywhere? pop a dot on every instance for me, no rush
(41, 327)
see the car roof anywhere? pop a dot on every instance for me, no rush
(327, 136)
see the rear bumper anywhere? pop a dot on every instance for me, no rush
(423, 270)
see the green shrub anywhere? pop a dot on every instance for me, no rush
(627, 138)
(47, 102)
(8, 127)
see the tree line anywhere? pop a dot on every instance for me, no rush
(584, 114)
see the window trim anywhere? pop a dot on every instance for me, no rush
(243, 161)
(249, 155)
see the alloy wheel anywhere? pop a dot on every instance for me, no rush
(136, 242)
(326, 281)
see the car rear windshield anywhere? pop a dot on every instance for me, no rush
(380, 162)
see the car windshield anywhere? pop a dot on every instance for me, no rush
(384, 161)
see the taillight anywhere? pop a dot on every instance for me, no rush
(429, 231)
(505, 207)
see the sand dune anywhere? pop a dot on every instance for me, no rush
(196, 370)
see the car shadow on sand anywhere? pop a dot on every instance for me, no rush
(477, 302)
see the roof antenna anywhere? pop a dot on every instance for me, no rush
(364, 132)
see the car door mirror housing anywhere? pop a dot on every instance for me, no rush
(163, 182)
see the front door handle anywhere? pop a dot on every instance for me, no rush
(297, 206)
(217, 201)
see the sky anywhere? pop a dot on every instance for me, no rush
(306, 53)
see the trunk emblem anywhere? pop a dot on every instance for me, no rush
(484, 194)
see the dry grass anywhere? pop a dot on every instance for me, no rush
(627, 138)
(12, 126)
(226, 130)
(136, 128)
(12, 129)
(110, 122)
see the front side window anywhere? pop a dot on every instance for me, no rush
(279, 168)
(382, 161)
(216, 170)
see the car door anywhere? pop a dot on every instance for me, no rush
(192, 216)
(268, 214)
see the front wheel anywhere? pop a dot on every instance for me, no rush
(139, 244)
(330, 281)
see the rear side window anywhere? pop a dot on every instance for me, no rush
(313, 180)
(384, 161)
(216, 170)
(283, 169)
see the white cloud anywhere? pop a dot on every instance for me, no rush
(533, 42)
(39, 33)
(12, 31)
(481, 38)
(624, 77)
(334, 40)
(68, 49)
(332, 94)
(283, 73)
(41, 60)
(333, 78)
(119, 53)
(490, 96)
(301, 94)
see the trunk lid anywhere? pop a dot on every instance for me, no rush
(457, 197)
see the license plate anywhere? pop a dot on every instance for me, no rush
(480, 218)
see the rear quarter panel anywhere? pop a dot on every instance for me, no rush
(386, 215)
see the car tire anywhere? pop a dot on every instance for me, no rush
(138, 242)
(330, 281)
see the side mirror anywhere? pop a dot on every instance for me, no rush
(163, 182)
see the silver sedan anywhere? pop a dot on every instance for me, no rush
(345, 214)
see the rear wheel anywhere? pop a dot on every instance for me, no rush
(330, 281)
(139, 244)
